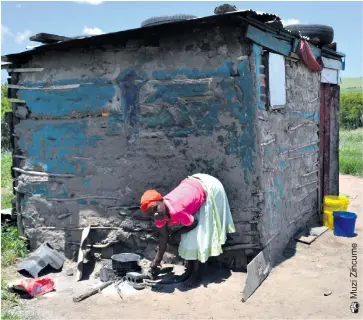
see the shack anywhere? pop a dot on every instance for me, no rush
(96, 121)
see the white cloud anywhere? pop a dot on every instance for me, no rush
(91, 2)
(92, 31)
(5, 31)
(22, 36)
(289, 22)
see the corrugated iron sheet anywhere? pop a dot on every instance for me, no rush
(264, 21)
(116, 37)
(39, 259)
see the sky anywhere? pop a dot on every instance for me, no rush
(20, 20)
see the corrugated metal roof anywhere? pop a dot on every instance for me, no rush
(139, 33)
(258, 19)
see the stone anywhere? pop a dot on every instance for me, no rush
(70, 272)
(21, 112)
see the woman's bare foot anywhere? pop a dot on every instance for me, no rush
(195, 275)
(192, 282)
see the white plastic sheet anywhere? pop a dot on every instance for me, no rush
(277, 80)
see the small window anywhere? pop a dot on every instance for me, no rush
(276, 81)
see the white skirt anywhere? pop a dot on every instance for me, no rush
(214, 222)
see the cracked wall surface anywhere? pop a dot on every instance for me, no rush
(289, 149)
(137, 117)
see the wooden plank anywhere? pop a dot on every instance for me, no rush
(333, 52)
(19, 197)
(318, 231)
(316, 51)
(304, 238)
(334, 141)
(295, 45)
(64, 87)
(14, 100)
(293, 56)
(93, 291)
(43, 174)
(26, 70)
(308, 236)
(321, 146)
(326, 141)
(268, 41)
(332, 64)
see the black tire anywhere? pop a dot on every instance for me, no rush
(166, 19)
(324, 33)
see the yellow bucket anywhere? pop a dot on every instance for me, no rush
(331, 204)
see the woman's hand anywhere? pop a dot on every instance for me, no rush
(153, 271)
(154, 264)
(163, 242)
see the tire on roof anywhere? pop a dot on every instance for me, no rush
(166, 19)
(324, 33)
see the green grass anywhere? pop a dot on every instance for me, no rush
(11, 246)
(351, 85)
(9, 315)
(351, 152)
(10, 297)
(9, 300)
(6, 180)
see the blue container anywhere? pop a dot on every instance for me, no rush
(344, 223)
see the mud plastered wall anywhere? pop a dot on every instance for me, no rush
(185, 106)
(289, 147)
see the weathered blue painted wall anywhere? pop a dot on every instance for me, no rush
(161, 122)
(53, 147)
(90, 97)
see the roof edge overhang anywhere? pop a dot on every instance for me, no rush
(250, 17)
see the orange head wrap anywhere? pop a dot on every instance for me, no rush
(149, 198)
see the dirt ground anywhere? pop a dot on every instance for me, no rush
(294, 290)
